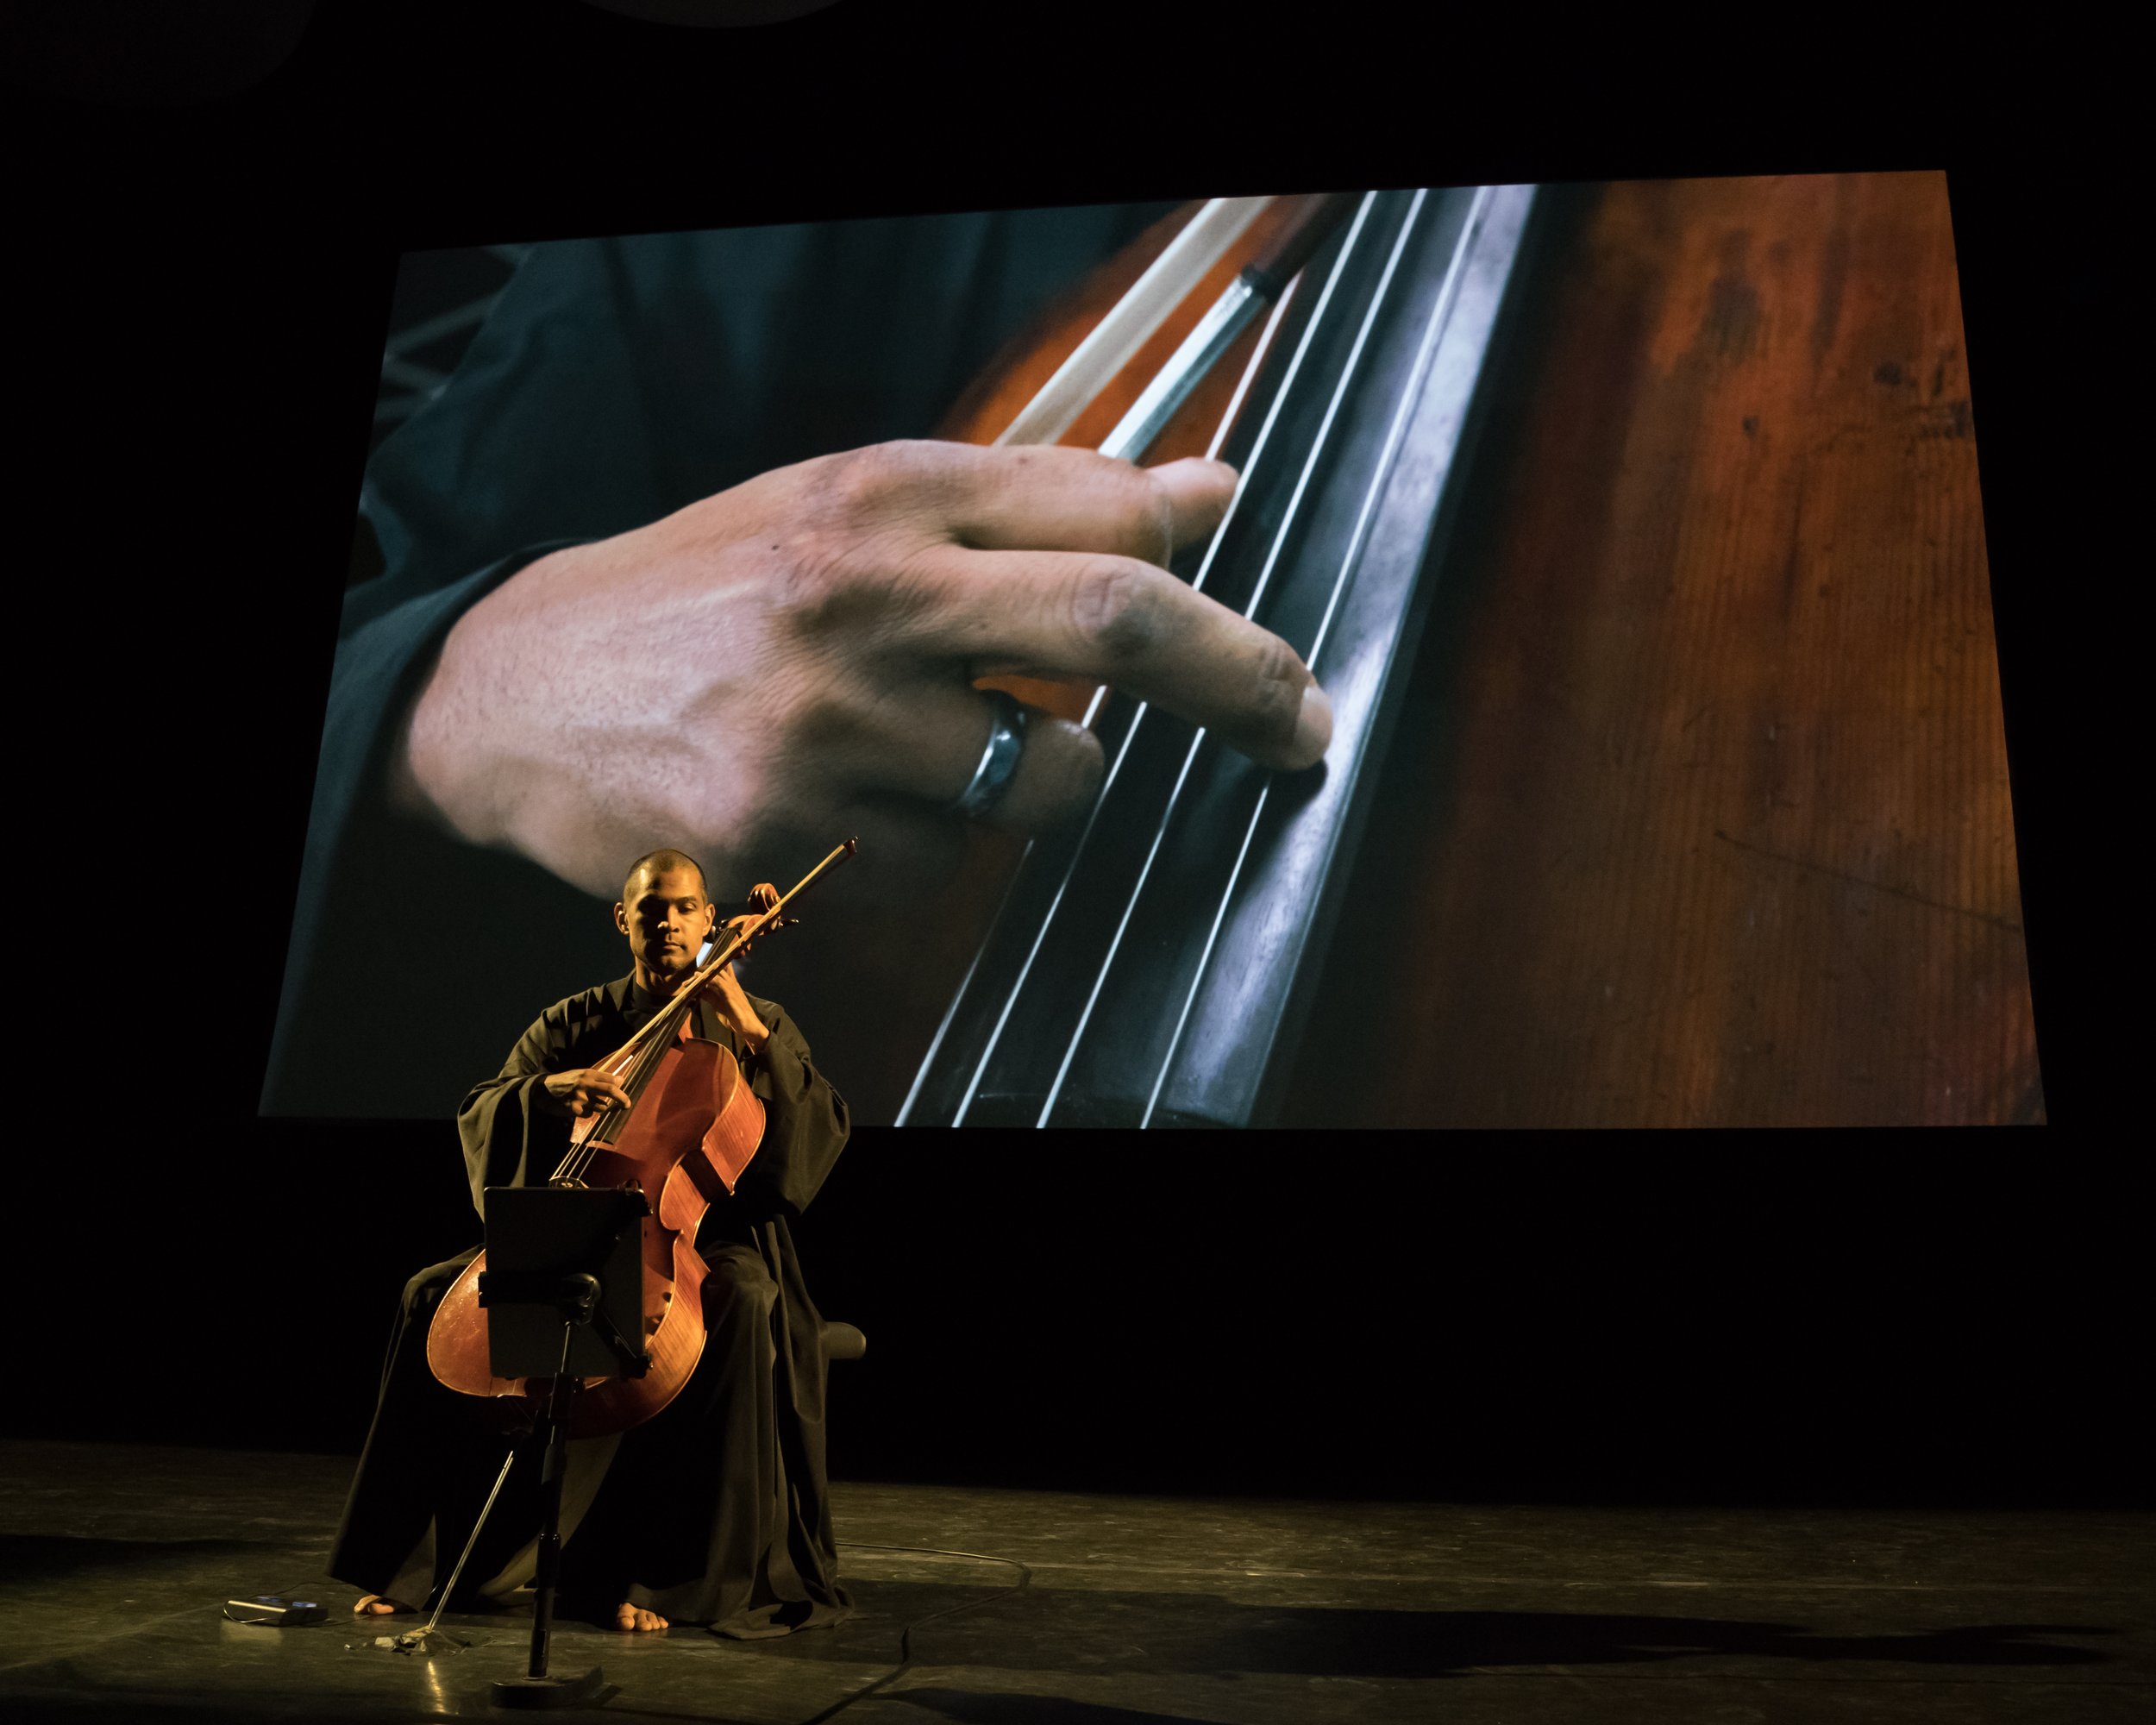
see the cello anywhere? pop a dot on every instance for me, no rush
(690, 1131)
(1682, 798)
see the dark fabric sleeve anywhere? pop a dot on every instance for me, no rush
(805, 1122)
(350, 829)
(510, 1139)
(614, 382)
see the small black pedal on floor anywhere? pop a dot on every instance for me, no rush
(273, 1613)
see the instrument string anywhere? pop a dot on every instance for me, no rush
(1440, 317)
(1259, 449)
(958, 995)
(1315, 455)
(651, 1040)
(1093, 712)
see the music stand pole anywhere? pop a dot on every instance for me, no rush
(542, 1244)
(578, 1310)
(577, 1295)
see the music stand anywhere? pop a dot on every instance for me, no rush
(563, 1289)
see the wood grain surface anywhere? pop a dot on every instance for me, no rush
(1699, 812)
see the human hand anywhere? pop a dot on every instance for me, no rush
(765, 898)
(730, 1001)
(588, 1090)
(794, 657)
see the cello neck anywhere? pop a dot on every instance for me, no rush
(1195, 897)
(634, 1062)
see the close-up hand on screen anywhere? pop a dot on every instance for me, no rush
(1530, 645)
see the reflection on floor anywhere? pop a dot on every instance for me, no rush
(1125, 1611)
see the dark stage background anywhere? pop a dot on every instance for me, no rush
(203, 286)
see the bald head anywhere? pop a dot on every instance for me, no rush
(655, 863)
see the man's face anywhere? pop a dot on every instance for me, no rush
(667, 918)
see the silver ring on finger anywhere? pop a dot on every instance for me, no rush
(998, 759)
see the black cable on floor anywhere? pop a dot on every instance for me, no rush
(906, 1635)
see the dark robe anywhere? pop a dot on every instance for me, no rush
(717, 1510)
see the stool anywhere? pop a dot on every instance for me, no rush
(844, 1342)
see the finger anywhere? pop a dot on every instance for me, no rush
(1058, 500)
(1052, 499)
(1120, 621)
(937, 751)
(1199, 493)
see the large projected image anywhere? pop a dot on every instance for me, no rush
(1450, 657)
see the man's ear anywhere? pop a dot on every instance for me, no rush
(621, 917)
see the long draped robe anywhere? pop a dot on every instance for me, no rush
(715, 1511)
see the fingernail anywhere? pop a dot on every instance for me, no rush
(1313, 727)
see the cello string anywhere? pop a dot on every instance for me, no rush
(1272, 558)
(1093, 712)
(1440, 317)
(1204, 957)
(1212, 453)
(650, 1042)
(958, 995)
(1259, 449)
(610, 1118)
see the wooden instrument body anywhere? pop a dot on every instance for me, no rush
(693, 1132)
(1696, 811)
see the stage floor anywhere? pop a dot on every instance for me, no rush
(1127, 1611)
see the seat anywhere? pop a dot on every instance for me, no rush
(844, 1342)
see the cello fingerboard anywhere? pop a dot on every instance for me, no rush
(1147, 968)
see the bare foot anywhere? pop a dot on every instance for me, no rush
(635, 1617)
(381, 1605)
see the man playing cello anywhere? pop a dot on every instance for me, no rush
(715, 1511)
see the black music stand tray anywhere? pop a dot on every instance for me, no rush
(563, 1289)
